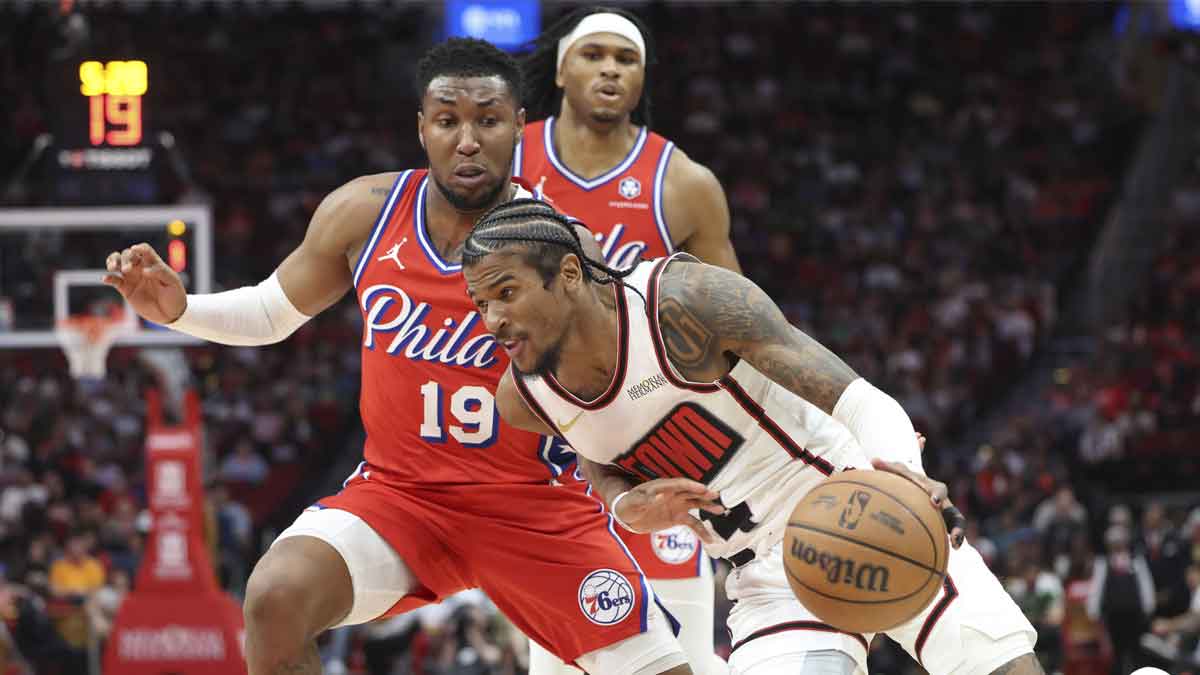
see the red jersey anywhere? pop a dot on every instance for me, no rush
(429, 366)
(623, 206)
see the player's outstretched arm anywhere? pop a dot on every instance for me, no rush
(314, 276)
(697, 212)
(711, 316)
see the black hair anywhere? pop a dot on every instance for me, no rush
(544, 235)
(539, 67)
(469, 57)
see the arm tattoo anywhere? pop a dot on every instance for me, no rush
(706, 312)
(381, 191)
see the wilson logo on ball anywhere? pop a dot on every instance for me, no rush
(837, 569)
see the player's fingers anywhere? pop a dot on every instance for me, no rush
(113, 262)
(715, 508)
(956, 523)
(702, 532)
(921, 441)
(116, 281)
(145, 252)
(126, 260)
(684, 486)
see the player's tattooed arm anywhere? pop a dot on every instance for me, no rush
(710, 317)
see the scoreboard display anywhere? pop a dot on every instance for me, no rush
(103, 151)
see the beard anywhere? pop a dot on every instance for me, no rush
(487, 199)
(547, 363)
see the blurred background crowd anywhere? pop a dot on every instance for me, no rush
(925, 190)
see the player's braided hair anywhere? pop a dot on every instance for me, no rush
(468, 57)
(545, 236)
(539, 67)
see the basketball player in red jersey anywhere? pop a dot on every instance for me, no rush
(591, 151)
(448, 497)
(674, 369)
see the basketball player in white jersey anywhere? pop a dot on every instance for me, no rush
(690, 373)
(590, 150)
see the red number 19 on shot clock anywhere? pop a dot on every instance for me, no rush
(114, 91)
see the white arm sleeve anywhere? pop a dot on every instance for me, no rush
(246, 316)
(879, 423)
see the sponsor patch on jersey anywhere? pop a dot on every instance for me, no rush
(606, 597)
(630, 187)
(676, 545)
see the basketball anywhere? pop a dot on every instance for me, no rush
(866, 551)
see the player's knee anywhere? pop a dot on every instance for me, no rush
(1026, 664)
(296, 590)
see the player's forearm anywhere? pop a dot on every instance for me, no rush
(607, 481)
(246, 316)
(879, 424)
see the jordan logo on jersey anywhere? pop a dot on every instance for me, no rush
(393, 254)
(690, 443)
(448, 344)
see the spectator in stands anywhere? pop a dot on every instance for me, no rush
(103, 605)
(244, 465)
(1178, 632)
(1168, 559)
(1121, 596)
(1039, 593)
(77, 573)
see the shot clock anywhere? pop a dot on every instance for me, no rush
(104, 150)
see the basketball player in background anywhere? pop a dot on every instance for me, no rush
(612, 364)
(448, 497)
(590, 150)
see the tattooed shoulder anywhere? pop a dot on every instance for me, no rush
(710, 317)
(702, 308)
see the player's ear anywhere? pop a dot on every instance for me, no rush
(520, 125)
(559, 80)
(420, 128)
(571, 272)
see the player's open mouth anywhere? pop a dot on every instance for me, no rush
(609, 91)
(513, 347)
(470, 174)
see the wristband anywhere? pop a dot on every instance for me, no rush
(613, 510)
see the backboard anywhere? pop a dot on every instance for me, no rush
(51, 261)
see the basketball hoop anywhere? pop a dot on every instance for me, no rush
(87, 338)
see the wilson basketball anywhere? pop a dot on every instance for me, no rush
(866, 551)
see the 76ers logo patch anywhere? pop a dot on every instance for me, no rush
(606, 597)
(630, 187)
(676, 545)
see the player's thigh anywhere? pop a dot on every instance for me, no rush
(378, 577)
(567, 582)
(542, 662)
(653, 650)
(770, 628)
(690, 601)
(972, 627)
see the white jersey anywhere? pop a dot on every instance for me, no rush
(756, 443)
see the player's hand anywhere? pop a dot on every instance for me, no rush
(1160, 627)
(939, 494)
(152, 288)
(665, 502)
(921, 441)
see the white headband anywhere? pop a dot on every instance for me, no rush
(603, 22)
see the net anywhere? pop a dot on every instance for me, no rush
(86, 340)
